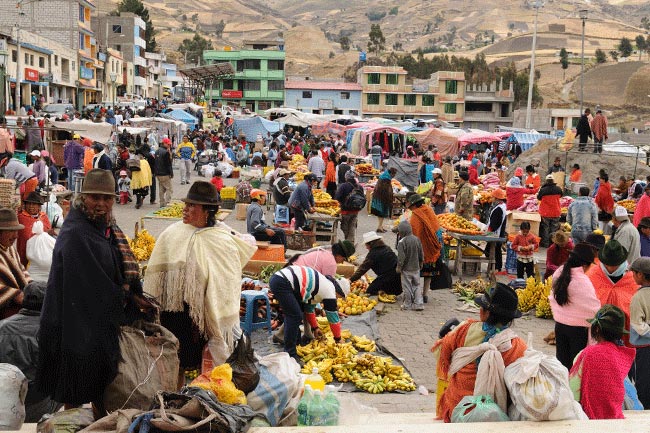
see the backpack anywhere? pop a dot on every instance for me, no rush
(356, 200)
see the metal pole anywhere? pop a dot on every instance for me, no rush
(582, 67)
(17, 103)
(531, 77)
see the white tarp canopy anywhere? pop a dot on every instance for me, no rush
(99, 132)
(133, 131)
(625, 148)
(185, 106)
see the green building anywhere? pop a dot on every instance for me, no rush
(258, 83)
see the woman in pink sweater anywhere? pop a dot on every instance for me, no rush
(573, 300)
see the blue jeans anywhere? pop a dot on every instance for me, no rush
(376, 161)
(283, 291)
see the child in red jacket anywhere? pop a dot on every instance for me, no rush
(524, 245)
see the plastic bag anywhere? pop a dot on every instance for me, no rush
(13, 390)
(278, 393)
(53, 211)
(537, 374)
(315, 409)
(39, 250)
(220, 383)
(245, 374)
(71, 420)
(478, 408)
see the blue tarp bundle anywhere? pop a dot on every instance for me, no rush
(256, 125)
(527, 140)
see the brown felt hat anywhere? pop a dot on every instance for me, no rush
(9, 220)
(98, 181)
(33, 197)
(201, 192)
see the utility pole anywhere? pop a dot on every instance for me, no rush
(19, 74)
(531, 78)
(583, 17)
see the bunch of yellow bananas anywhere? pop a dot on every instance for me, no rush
(142, 245)
(387, 299)
(355, 304)
(342, 362)
(174, 210)
(543, 308)
(535, 290)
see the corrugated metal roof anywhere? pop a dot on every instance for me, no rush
(321, 85)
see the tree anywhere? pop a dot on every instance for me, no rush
(219, 28)
(193, 48)
(625, 47)
(332, 55)
(645, 23)
(438, 19)
(195, 18)
(564, 61)
(601, 57)
(640, 45)
(137, 7)
(614, 55)
(393, 11)
(377, 42)
(345, 43)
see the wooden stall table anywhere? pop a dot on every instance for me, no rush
(324, 218)
(471, 241)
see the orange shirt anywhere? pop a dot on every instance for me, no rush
(576, 176)
(533, 180)
(23, 235)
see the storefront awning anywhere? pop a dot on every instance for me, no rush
(36, 48)
(34, 83)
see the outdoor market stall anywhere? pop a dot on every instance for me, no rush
(446, 143)
(184, 117)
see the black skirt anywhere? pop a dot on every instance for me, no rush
(191, 342)
(390, 283)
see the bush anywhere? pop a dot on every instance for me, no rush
(601, 57)
(375, 16)
(393, 11)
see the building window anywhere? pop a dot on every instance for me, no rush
(73, 65)
(275, 65)
(354, 112)
(450, 108)
(136, 50)
(252, 85)
(41, 62)
(240, 65)
(14, 56)
(228, 84)
(451, 87)
(82, 42)
(27, 58)
(373, 99)
(118, 47)
(117, 28)
(391, 78)
(345, 95)
(306, 94)
(82, 13)
(56, 60)
(263, 105)
(373, 78)
(391, 99)
(409, 99)
(275, 85)
(253, 64)
(427, 100)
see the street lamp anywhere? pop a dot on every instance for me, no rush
(583, 17)
(113, 77)
(3, 75)
(531, 78)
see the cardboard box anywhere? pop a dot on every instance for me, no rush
(240, 211)
(515, 218)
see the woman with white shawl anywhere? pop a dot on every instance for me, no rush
(195, 273)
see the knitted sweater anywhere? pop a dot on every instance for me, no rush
(640, 317)
(522, 240)
(583, 302)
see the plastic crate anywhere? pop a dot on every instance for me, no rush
(228, 203)
(228, 192)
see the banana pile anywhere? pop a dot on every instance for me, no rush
(387, 299)
(535, 294)
(298, 166)
(142, 245)
(466, 291)
(354, 304)
(175, 210)
(543, 307)
(342, 362)
(323, 203)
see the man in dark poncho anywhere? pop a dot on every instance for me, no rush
(93, 287)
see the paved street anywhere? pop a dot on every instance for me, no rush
(408, 334)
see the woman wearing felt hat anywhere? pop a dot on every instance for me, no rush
(195, 273)
(599, 372)
(382, 260)
(558, 253)
(31, 213)
(461, 358)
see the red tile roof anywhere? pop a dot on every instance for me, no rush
(320, 85)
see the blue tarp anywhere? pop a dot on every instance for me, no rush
(526, 139)
(256, 125)
(184, 117)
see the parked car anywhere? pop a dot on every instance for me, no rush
(57, 110)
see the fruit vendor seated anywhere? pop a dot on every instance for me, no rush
(298, 289)
(255, 224)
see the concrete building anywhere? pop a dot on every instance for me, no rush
(114, 68)
(258, 83)
(125, 33)
(548, 120)
(488, 106)
(387, 93)
(162, 75)
(47, 69)
(66, 22)
(323, 97)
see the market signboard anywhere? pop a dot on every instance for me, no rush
(232, 93)
(31, 74)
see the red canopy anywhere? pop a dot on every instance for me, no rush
(477, 137)
(323, 128)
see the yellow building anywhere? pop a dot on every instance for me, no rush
(387, 93)
(88, 61)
